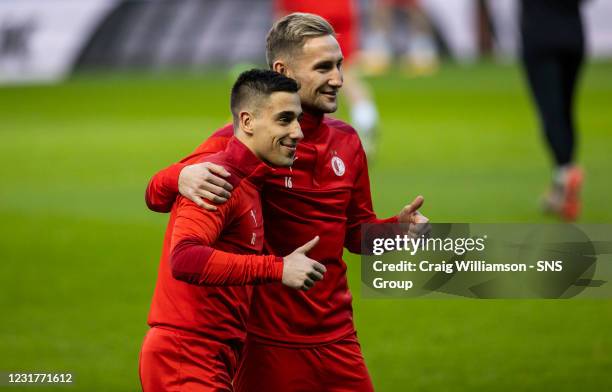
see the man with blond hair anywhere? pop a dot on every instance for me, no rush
(300, 340)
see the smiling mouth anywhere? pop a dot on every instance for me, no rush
(330, 94)
(289, 146)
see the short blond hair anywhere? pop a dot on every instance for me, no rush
(290, 33)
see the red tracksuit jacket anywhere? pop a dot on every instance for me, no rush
(204, 250)
(327, 193)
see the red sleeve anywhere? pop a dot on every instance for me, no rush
(194, 261)
(163, 186)
(360, 208)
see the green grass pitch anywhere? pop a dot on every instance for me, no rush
(79, 250)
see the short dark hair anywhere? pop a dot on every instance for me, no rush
(258, 83)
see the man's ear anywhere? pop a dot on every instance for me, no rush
(246, 122)
(280, 66)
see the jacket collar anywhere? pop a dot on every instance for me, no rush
(245, 163)
(311, 125)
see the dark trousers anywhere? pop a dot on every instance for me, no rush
(552, 75)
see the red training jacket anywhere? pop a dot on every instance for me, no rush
(208, 258)
(325, 193)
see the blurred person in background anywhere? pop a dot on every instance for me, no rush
(343, 15)
(420, 53)
(553, 52)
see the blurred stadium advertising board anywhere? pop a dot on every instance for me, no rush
(45, 40)
(597, 15)
(457, 22)
(40, 39)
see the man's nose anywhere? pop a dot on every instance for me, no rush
(337, 78)
(296, 132)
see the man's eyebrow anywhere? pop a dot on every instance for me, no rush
(286, 113)
(324, 63)
(328, 63)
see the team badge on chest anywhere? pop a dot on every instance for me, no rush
(338, 166)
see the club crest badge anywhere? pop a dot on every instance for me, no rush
(338, 166)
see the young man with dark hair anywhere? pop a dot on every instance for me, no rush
(202, 297)
(297, 340)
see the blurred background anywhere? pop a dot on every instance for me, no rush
(97, 95)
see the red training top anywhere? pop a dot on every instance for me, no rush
(209, 256)
(325, 193)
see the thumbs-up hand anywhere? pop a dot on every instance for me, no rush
(300, 271)
(418, 224)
